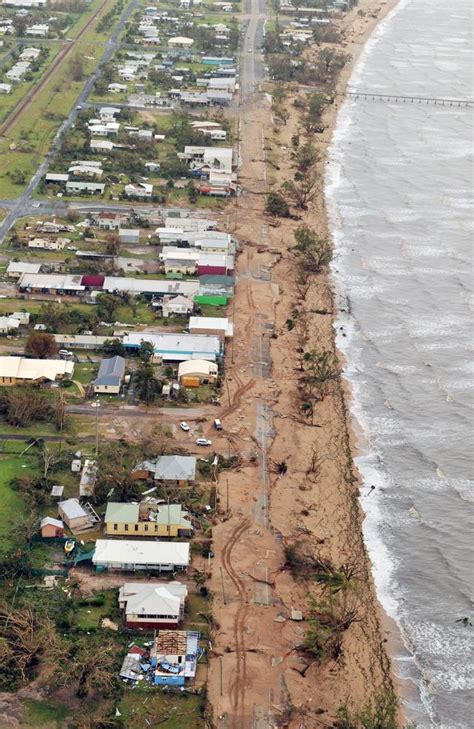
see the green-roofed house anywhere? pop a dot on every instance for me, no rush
(148, 519)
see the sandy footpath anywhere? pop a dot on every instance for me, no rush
(257, 678)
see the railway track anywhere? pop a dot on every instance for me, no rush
(33, 94)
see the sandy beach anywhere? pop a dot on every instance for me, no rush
(257, 677)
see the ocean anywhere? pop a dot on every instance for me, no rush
(399, 191)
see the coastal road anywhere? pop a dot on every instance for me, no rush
(23, 203)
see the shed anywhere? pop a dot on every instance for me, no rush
(74, 515)
(206, 372)
(51, 527)
(129, 235)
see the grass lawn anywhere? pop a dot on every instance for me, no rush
(44, 713)
(172, 710)
(12, 506)
(88, 616)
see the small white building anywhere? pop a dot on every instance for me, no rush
(140, 189)
(152, 605)
(5, 88)
(129, 235)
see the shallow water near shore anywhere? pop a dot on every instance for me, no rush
(399, 190)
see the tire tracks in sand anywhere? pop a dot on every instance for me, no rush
(238, 684)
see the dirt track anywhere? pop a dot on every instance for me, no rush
(33, 94)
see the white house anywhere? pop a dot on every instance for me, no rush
(221, 326)
(91, 188)
(176, 306)
(117, 88)
(39, 30)
(48, 244)
(8, 324)
(15, 269)
(180, 42)
(5, 88)
(139, 189)
(107, 129)
(150, 605)
(138, 554)
(19, 370)
(101, 145)
(30, 54)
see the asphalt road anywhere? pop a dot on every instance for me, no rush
(23, 205)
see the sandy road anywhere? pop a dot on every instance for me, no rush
(238, 684)
(36, 91)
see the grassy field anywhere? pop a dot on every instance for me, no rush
(12, 506)
(29, 140)
(141, 707)
(44, 713)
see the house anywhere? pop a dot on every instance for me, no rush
(221, 158)
(51, 528)
(147, 519)
(153, 605)
(88, 478)
(8, 324)
(216, 285)
(129, 235)
(48, 244)
(117, 88)
(30, 54)
(131, 556)
(109, 221)
(220, 326)
(80, 341)
(15, 269)
(174, 657)
(175, 347)
(51, 283)
(149, 286)
(179, 260)
(189, 224)
(215, 264)
(5, 88)
(86, 169)
(91, 188)
(180, 42)
(194, 372)
(56, 178)
(40, 30)
(101, 145)
(108, 113)
(180, 470)
(20, 371)
(139, 189)
(75, 516)
(176, 306)
(110, 376)
(22, 316)
(106, 129)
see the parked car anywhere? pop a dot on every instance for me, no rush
(217, 424)
(184, 426)
(203, 442)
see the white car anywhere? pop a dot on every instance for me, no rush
(184, 426)
(203, 442)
